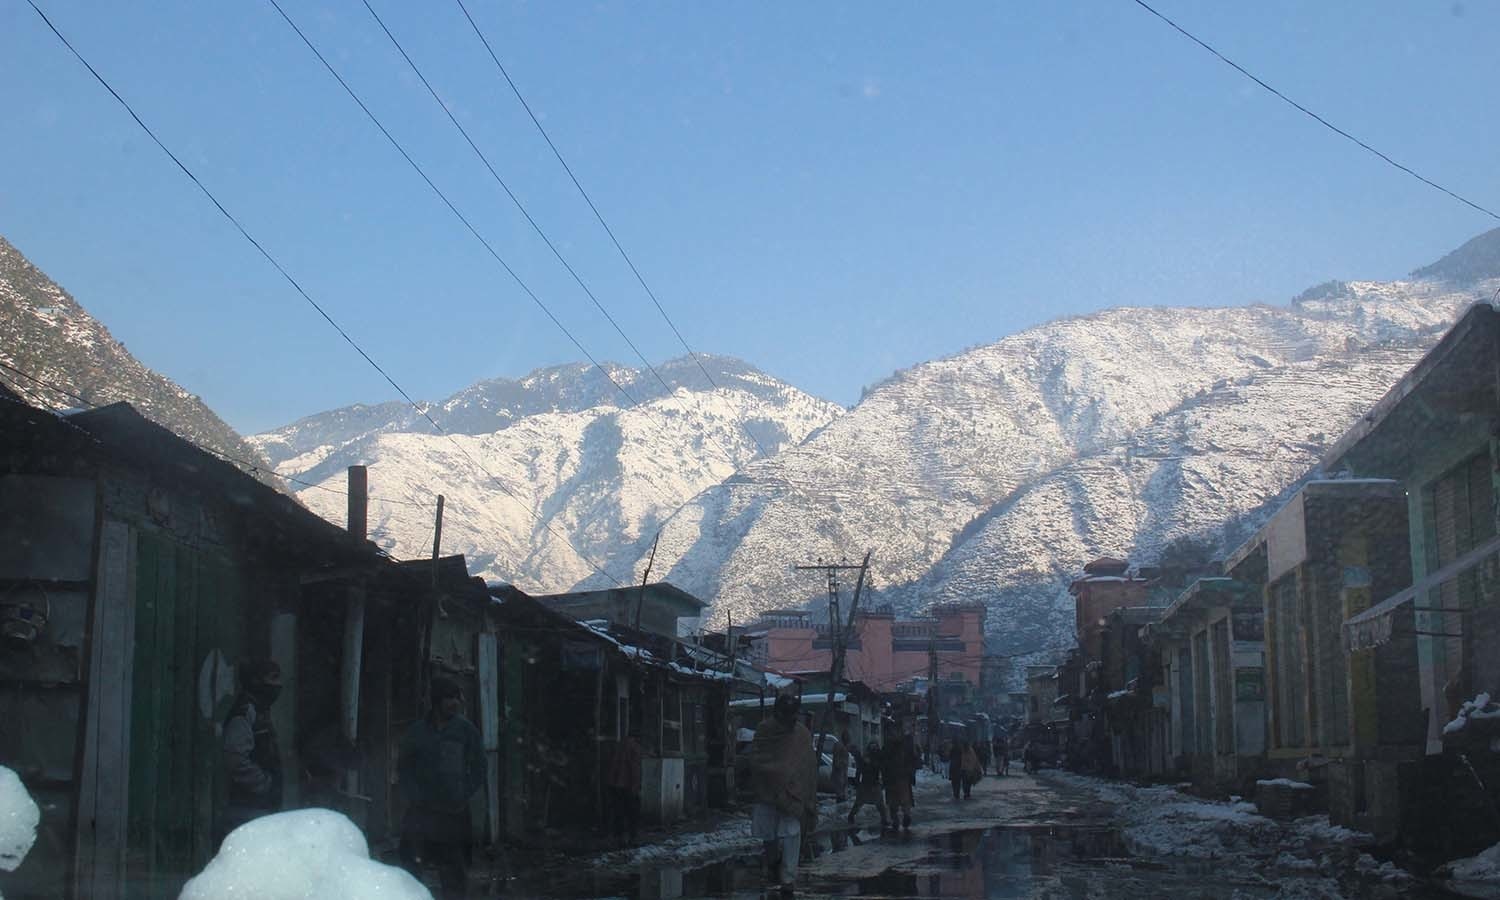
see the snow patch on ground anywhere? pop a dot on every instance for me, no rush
(308, 853)
(1164, 821)
(19, 816)
(1476, 876)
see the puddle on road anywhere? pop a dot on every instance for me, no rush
(1043, 861)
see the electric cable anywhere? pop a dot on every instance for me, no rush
(1314, 116)
(595, 209)
(303, 293)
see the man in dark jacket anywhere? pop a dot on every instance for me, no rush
(867, 782)
(899, 773)
(441, 766)
(624, 783)
(252, 759)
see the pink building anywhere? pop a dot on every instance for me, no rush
(884, 651)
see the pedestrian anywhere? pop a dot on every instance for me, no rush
(841, 768)
(1002, 756)
(623, 784)
(784, 776)
(251, 756)
(957, 777)
(899, 774)
(969, 763)
(983, 749)
(441, 765)
(867, 783)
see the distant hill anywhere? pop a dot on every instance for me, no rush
(45, 333)
(584, 471)
(993, 475)
(1477, 260)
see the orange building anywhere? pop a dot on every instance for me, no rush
(883, 652)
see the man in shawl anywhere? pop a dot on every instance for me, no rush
(784, 776)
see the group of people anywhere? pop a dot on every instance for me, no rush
(884, 777)
(440, 767)
(784, 778)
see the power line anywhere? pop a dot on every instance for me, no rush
(527, 215)
(449, 203)
(253, 467)
(592, 206)
(1314, 116)
(293, 282)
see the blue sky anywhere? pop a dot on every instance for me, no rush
(830, 191)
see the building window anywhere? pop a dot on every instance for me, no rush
(1462, 506)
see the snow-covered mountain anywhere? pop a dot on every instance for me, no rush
(994, 474)
(63, 351)
(544, 464)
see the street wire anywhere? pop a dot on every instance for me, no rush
(449, 203)
(597, 215)
(1317, 118)
(527, 215)
(298, 287)
(252, 467)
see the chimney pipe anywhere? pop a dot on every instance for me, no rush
(359, 501)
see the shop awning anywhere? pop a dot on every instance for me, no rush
(1374, 626)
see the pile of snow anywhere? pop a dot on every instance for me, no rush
(19, 816)
(1167, 823)
(1481, 707)
(1477, 876)
(300, 855)
(1284, 783)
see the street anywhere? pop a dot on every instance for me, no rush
(1054, 835)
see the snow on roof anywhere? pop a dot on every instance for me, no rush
(1353, 481)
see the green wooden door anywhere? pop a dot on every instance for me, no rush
(187, 607)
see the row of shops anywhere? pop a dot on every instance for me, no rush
(138, 572)
(1346, 652)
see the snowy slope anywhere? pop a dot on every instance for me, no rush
(46, 334)
(580, 470)
(1205, 474)
(968, 475)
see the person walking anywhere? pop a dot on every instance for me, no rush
(867, 783)
(251, 756)
(624, 787)
(969, 766)
(1002, 756)
(784, 777)
(956, 774)
(841, 768)
(440, 766)
(899, 773)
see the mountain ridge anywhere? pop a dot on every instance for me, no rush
(46, 333)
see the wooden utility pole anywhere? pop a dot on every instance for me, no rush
(437, 539)
(640, 599)
(932, 695)
(839, 633)
(352, 661)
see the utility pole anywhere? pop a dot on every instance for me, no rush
(641, 598)
(839, 632)
(437, 539)
(933, 717)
